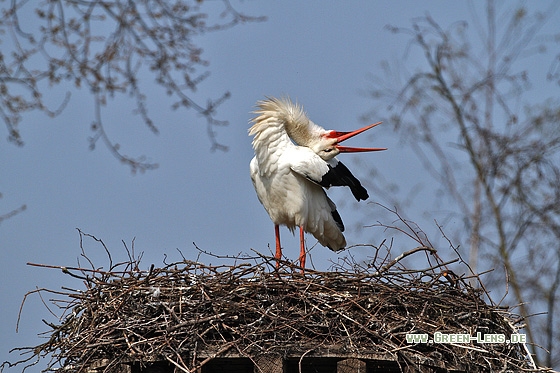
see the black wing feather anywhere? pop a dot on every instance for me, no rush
(335, 214)
(338, 220)
(340, 175)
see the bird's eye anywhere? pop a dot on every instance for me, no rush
(327, 150)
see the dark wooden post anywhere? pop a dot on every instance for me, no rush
(351, 366)
(269, 363)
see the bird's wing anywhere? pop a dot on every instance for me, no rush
(307, 163)
(325, 173)
(340, 175)
(335, 215)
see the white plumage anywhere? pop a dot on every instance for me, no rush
(294, 161)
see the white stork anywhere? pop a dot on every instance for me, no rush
(294, 161)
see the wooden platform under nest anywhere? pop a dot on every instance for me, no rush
(245, 317)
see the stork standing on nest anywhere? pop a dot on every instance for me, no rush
(293, 165)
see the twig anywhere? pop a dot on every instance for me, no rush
(404, 255)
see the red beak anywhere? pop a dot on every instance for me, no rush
(342, 136)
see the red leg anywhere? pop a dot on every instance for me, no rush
(278, 247)
(302, 249)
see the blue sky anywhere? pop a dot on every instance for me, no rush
(319, 53)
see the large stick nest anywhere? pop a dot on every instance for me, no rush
(187, 313)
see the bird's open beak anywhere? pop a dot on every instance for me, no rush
(342, 136)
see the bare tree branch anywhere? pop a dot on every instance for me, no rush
(111, 48)
(507, 189)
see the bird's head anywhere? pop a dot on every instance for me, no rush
(327, 145)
